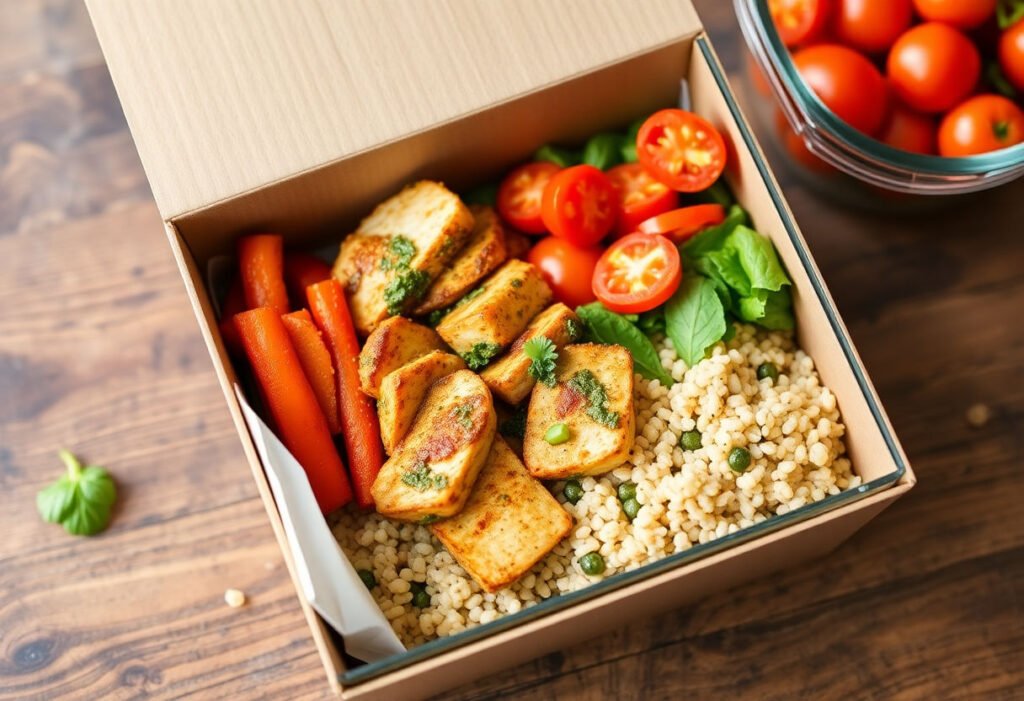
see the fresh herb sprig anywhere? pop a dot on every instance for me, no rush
(543, 355)
(80, 500)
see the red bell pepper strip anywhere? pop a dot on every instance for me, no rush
(261, 263)
(359, 424)
(300, 271)
(316, 363)
(300, 422)
(234, 303)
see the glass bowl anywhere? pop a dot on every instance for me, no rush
(834, 157)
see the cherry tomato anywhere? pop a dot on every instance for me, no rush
(963, 14)
(579, 205)
(681, 150)
(847, 82)
(1011, 54)
(638, 272)
(909, 131)
(872, 25)
(680, 224)
(798, 21)
(933, 67)
(520, 193)
(640, 196)
(568, 269)
(983, 123)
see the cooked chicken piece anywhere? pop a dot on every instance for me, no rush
(432, 470)
(509, 523)
(594, 399)
(495, 313)
(508, 377)
(403, 390)
(387, 265)
(484, 252)
(392, 344)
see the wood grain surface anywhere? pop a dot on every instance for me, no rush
(99, 352)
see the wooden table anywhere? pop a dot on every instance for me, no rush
(99, 352)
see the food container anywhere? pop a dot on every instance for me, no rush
(299, 117)
(859, 168)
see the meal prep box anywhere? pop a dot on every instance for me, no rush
(298, 117)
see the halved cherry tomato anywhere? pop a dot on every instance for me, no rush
(520, 194)
(798, 21)
(640, 196)
(568, 269)
(579, 205)
(872, 25)
(637, 273)
(981, 124)
(680, 224)
(963, 14)
(681, 150)
(932, 67)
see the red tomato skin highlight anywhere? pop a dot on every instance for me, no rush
(933, 67)
(568, 269)
(981, 124)
(962, 14)
(1011, 54)
(872, 25)
(908, 130)
(579, 205)
(847, 83)
(799, 21)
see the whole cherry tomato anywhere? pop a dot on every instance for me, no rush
(963, 14)
(1011, 54)
(847, 82)
(568, 269)
(981, 124)
(909, 131)
(640, 196)
(579, 205)
(799, 21)
(872, 25)
(933, 66)
(520, 193)
(637, 273)
(681, 150)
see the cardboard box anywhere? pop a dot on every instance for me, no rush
(298, 117)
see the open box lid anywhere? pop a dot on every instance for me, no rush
(223, 97)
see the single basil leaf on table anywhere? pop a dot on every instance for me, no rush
(561, 157)
(695, 318)
(603, 150)
(713, 237)
(80, 500)
(756, 254)
(608, 327)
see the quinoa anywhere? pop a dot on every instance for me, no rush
(790, 426)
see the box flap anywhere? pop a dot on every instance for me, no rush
(223, 97)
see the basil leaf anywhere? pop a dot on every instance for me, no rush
(608, 327)
(694, 318)
(778, 311)
(652, 322)
(757, 256)
(724, 265)
(561, 157)
(718, 193)
(628, 150)
(483, 194)
(752, 308)
(713, 237)
(603, 150)
(79, 500)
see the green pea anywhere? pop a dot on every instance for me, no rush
(690, 440)
(573, 491)
(592, 564)
(768, 370)
(368, 579)
(557, 434)
(739, 459)
(631, 507)
(421, 599)
(627, 491)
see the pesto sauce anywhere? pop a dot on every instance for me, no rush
(421, 478)
(480, 354)
(406, 285)
(585, 383)
(462, 414)
(402, 250)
